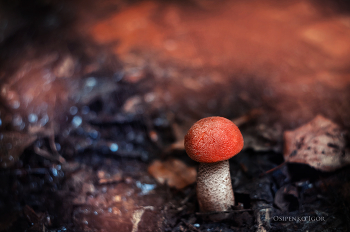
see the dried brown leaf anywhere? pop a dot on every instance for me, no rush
(320, 144)
(173, 172)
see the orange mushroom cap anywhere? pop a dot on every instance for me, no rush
(213, 139)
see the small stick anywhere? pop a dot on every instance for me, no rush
(273, 169)
(47, 155)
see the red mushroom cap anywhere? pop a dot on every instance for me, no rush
(213, 139)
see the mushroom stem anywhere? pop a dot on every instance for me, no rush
(214, 188)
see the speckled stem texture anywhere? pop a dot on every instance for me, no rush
(214, 189)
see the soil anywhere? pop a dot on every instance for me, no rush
(93, 92)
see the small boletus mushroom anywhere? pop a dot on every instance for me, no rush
(211, 142)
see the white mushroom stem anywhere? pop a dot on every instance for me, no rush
(214, 188)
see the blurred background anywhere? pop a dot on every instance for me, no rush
(93, 93)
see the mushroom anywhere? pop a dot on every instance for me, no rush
(211, 142)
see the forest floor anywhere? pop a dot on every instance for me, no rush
(96, 97)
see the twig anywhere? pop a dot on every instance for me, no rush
(273, 169)
(49, 156)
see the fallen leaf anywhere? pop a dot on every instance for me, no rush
(173, 172)
(320, 144)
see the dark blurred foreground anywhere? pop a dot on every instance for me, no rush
(111, 87)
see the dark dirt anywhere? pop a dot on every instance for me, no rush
(112, 85)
